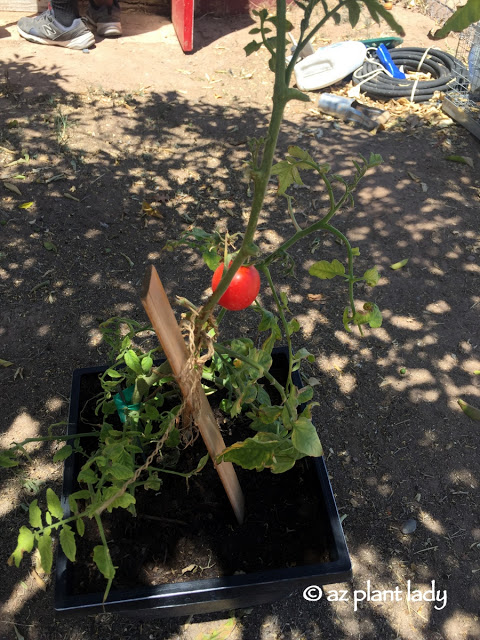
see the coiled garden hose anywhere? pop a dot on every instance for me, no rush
(444, 68)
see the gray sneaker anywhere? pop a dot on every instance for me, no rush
(105, 19)
(46, 30)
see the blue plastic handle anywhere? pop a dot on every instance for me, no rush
(386, 59)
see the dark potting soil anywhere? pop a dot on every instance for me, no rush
(187, 531)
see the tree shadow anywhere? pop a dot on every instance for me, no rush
(396, 445)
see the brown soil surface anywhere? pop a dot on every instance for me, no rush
(94, 135)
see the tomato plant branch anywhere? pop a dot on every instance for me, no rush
(283, 320)
(319, 224)
(108, 561)
(220, 348)
(351, 278)
(303, 28)
(72, 436)
(261, 176)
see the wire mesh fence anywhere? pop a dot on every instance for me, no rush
(465, 92)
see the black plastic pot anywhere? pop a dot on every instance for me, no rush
(210, 594)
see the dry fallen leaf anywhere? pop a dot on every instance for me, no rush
(5, 363)
(70, 197)
(314, 296)
(461, 160)
(18, 373)
(191, 567)
(12, 187)
(151, 209)
(413, 176)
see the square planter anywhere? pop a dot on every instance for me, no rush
(283, 557)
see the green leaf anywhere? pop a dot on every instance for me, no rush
(25, 205)
(80, 526)
(211, 258)
(346, 319)
(67, 542)
(120, 471)
(371, 277)
(202, 462)
(7, 459)
(49, 246)
(375, 160)
(53, 505)
(122, 502)
(5, 363)
(251, 47)
(25, 543)
(252, 453)
(287, 175)
(153, 483)
(462, 18)
(88, 476)
(63, 453)
(327, 270)
(83, 494)
(151, 412)
(302, 155)
(293, 326)
(371, 315)
(101, 557)
(132, 361)
(461, 160)
(113, 373)
(399, 265)
(469, 410)
(305, 395)
(305, 438)
(303, 354)
(35, 515)
(45, 547)
(72, 503)
(147, 364)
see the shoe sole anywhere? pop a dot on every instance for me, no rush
(84, 41)
(107, 29)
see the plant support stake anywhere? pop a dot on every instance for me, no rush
(160, 313)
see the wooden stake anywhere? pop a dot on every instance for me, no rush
(157, 306)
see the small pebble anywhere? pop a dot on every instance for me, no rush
(85, 50)
(409, 526)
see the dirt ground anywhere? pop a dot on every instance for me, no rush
(86, 138)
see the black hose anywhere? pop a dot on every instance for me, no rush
(444, 68)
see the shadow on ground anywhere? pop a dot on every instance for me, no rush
(397, 445)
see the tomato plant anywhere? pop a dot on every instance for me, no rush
(139, 409)
(243, 289)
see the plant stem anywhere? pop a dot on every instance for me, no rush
(101, 530)
(70, 436)
(283, 320)
(261, 176)
(220, 348)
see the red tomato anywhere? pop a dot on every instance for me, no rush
(242, 290)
